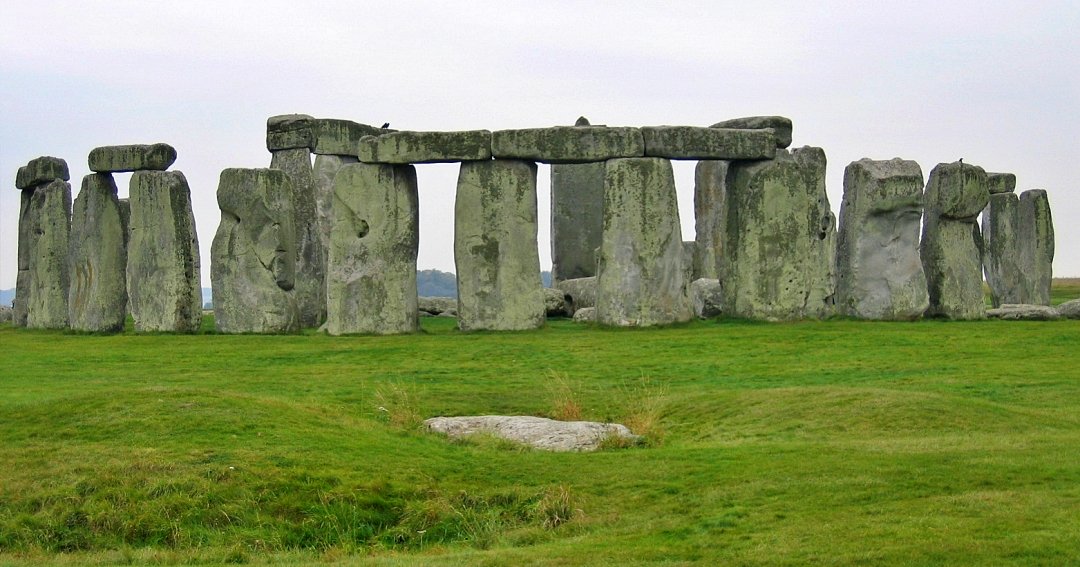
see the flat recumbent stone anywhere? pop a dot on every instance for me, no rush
(136, 157)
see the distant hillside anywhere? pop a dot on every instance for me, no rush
(7, 296)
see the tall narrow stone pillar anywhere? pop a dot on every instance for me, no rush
(642, 279)
(371, 274)
(97, 299)
(310, 289)
(955, 195)
(577, 208)
(495, 246)
(710, 191)
(1001, 249)
(1036, 236)
(41, 285)
(324, 170)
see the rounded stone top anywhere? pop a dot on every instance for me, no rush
(957, 190)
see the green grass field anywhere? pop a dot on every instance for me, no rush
(836, 443)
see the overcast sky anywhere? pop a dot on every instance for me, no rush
(996, 83)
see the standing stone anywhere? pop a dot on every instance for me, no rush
(326, 167)
(371, 277)
(97, 299)
(955, 195)
(253, 257)
(577, 214)
(1001, 249)
(27, 236)
(879, 272)
(46, 278)
(1036, 236)
(495, 248)
(710, 190)
(163, 280)
(310, 285)
(779, 260)
(642, 279)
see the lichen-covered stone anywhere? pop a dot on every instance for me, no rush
(341, 137)
(1036, 243)
(137, 157)
(780, 125)
(1069, 309)
(1001, 249)
(690, 254)
(495, 248)
(426, 147)
(695, 142)
(1023, 312)
(163, 279)
(324, 171)
(951, 241)
(437, 305)
(568, 144)
(578, 293)
(371, 278)
(97, 297)
(577, 208)
(46, 277)
(253, 256)
(585, 315)
(1000, 183)
(27, 237)
(310, 284)
(537, 432)
(290, 131)
(41, 170)
(710, 191)
(642, 279)
(554, 303)
(779, 261)
(707, 296)
(879, 271)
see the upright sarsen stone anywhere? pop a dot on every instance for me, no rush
(97, 298)
(325, 169)
(46, 278)
(371, 276)
(163, 280)
(955, 195)
(1036, 236)
(495, 248)
(1001, 249)
(253, 257)
(710, 192)
(879, 272)
(642, 278)
(310, 285)
(577, 208)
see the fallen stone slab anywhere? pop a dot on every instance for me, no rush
(1023, 312)
(781, 126)
(554, 303)
(585, 315)
(708, 298)
(289, 131)
(1000, 183)
(41, 170)
(341, 137)
(568, 144)
(537, 432)
(694, 142)
(135, 157)
(407, 147)
(1069, 309)
(578, 293)
(437, 305)
(97, 298)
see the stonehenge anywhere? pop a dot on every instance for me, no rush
(334, 242)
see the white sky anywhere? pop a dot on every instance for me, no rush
(997, 83)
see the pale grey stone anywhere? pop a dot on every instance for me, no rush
(137, 157)
(1069, 309)
(97, 297)
(568, 144)
(955, 195)
(879, 271)
(1000, 183)
(710, 191)
(537, 432)
(779, 256)
(27, 239)
(1023, 312)
(341, 137)
(495, 248)
(577, 208)
(780, 125)
(1001, 249)
(45, 279)
(324, 170)
(578, 293)
(437, 305)
(585, 315)
(690, 254)
(1036, 236)
(371, 282)
(642, 276)
(310, 284)
(554, 303)
(290, 131)
(163, 279)
(7, 314)
(253, 256)
(695, 142)
(426, 147)
(708, 297)
(41, 170)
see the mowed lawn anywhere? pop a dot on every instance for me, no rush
(836, 442)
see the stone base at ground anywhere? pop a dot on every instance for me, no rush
(537, 432)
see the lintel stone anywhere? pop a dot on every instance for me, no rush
(568, 144)
(781, 126)
(41, 170)
(289, 131)
(134, 157)
(426, 147)
(1000, 182)
(694, 142)
(341, 137)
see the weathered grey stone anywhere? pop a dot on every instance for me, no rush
(779, 261)
(371, 283)
(1001, 249)
(1000, 183)
(955, 195)
(1023, 312)
(41, 170)
(1036, 236)
(537, 432)
(97, 297)
(163, 279)
(324, 170)
(554, 303)
(46, 277)
(780, 125)
(710, 191)
(310, 284)
(708, 298)
(437, 305)
(1069, 309)
(27, 238)
(641, 279)
(290, 131)
(137, 157)
(689, 255)
(585, 315)
(577, 208)
(341, 137)
(7, 314)
(578, 293)
(879, 271)
(495, 249)
(695, 142)
(253, 257)
(426, 147)
(568, 144)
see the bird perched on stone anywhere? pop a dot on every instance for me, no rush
(385, 126)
